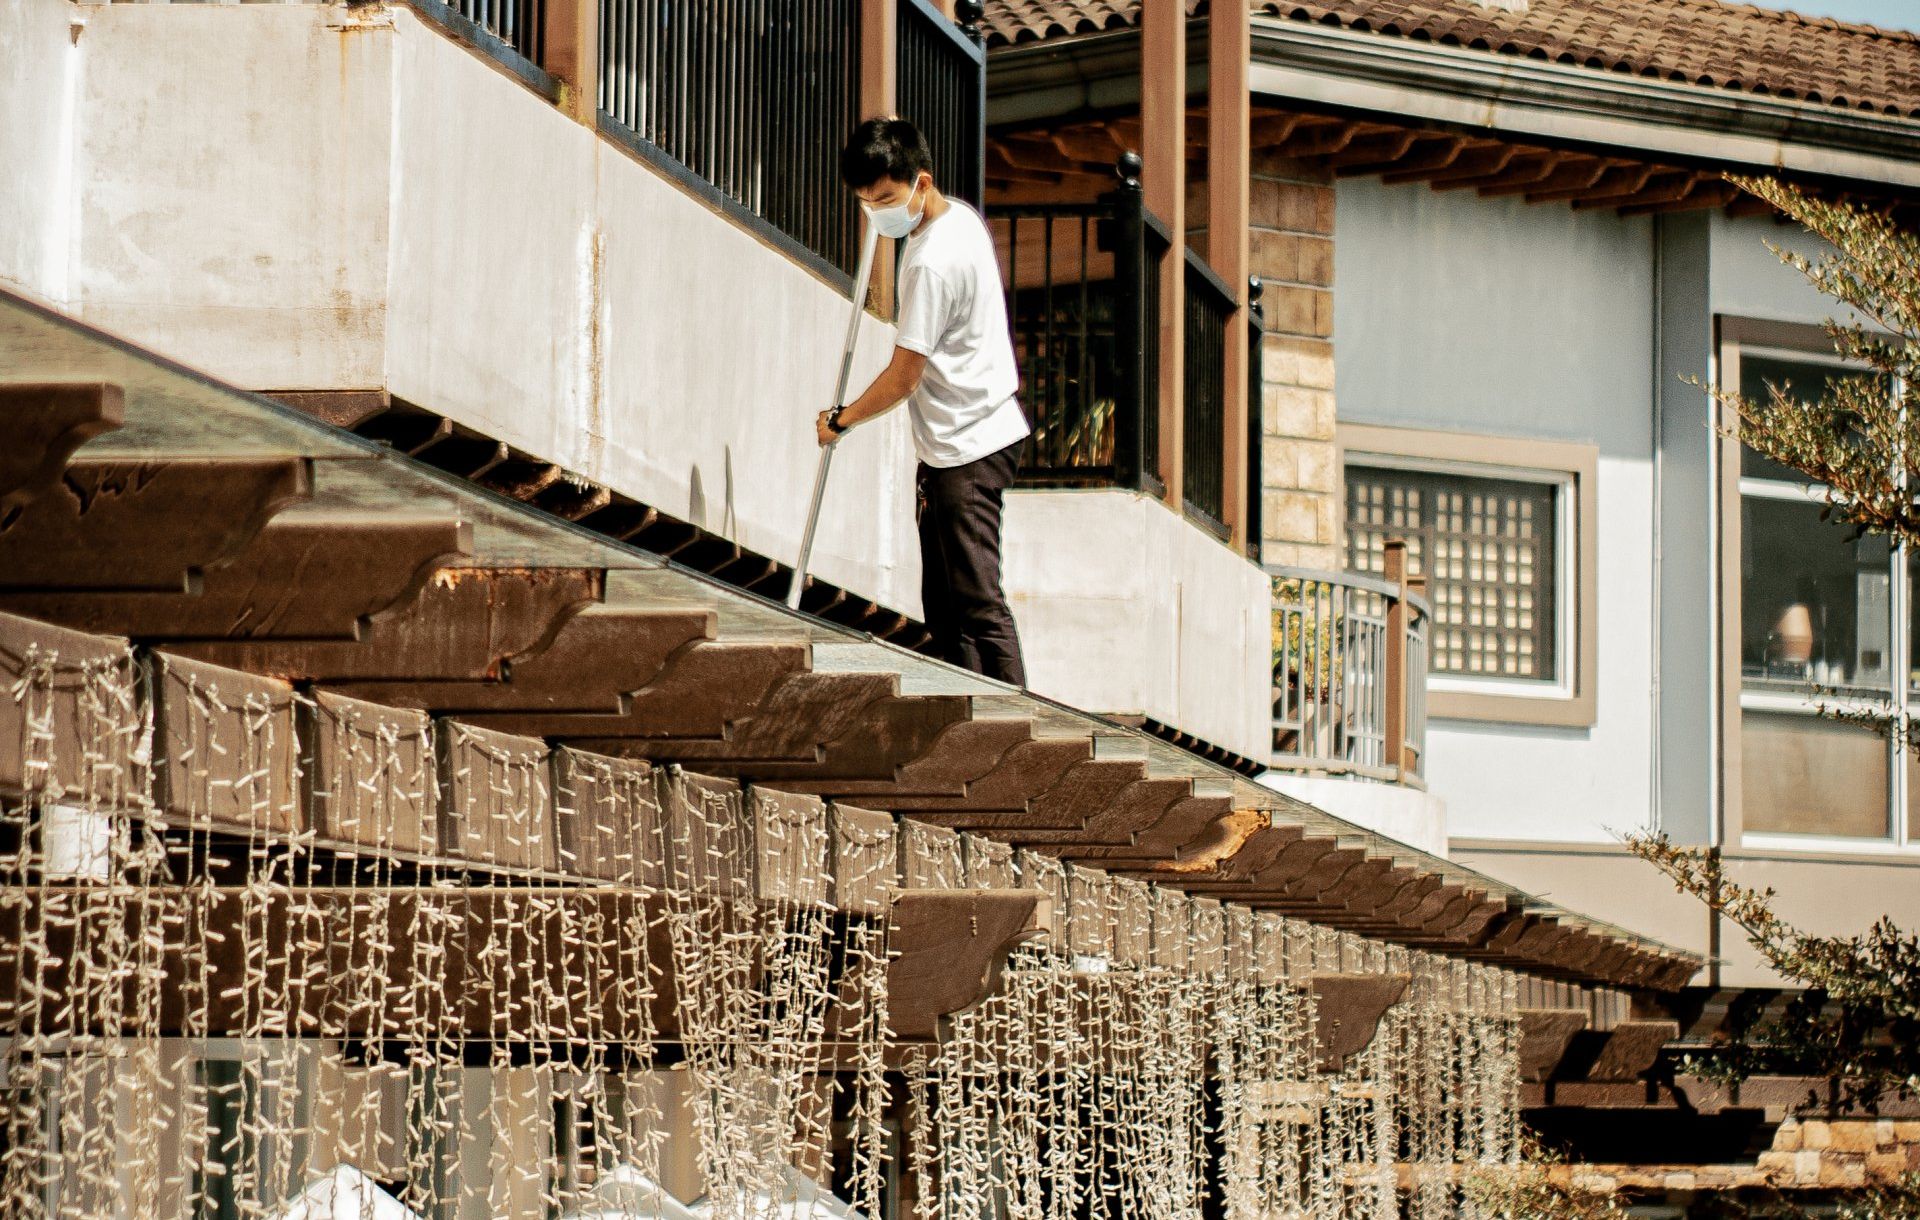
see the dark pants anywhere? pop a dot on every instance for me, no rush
(960, 565)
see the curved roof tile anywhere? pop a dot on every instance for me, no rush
(1701, 42)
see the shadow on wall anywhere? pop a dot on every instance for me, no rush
(697, 498)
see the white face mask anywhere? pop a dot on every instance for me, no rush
(898, 220)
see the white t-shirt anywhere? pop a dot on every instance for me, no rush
(952, 312)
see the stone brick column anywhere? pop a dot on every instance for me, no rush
(1291, 240)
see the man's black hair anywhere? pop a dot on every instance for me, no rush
(884, 148)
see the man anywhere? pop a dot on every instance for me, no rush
(953, 365)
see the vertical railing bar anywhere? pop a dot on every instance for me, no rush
(1049, 388)
(1084, 409)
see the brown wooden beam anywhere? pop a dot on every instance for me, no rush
(1545, 1035)
(1163, 147)
(1564, 171)
(595, 661)
(708, 687)
(1631, 1050)
(128, 524)
(889, 733)
(1229, 186)
(1022, 773)
(1472, 163)
(1618, 180)
(570, 51)
(466, 624)
(44, 422)
(26, 645)
(1347, 1013)
(1385, 147)
(804, 713)
(948, 947)
(302, 577)
(1132, 812)
(1438, 152)
(1663, 186)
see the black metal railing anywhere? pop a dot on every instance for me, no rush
(517, 23)
(1256, 407)
(1210, 305)
(941, 85)
(749, 96)
(1082, 284)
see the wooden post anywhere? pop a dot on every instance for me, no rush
(1395, 731)
(1163, 128)
(1229, 176)
(879, 94)
(570, 42)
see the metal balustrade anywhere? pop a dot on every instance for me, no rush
(1210, 305)
(517, 23)
(751, 97)
(942, 73)
(1350, 672)
(1083, 302)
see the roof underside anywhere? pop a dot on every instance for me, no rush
(1698, 42)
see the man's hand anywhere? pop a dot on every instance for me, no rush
(826, 434)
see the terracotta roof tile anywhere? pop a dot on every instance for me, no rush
(1701, 42)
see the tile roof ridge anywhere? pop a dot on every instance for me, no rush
(1787, 16)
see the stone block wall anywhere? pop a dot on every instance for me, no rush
(1291, 250)
(1806, 1156)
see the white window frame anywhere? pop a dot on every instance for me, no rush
(1896, 839)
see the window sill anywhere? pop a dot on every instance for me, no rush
(1560, 711)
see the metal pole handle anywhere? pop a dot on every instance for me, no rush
(860, 278)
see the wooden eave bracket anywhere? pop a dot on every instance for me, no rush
(49, 420)
(947, 948)
(1348, 1009)
(1545, 1035)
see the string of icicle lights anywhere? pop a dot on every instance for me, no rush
(271, 956)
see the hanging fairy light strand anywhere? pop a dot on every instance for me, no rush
(263, 940)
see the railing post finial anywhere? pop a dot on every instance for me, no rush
(968, 13)
(1129, 168)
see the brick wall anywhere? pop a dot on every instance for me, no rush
(1291, 250)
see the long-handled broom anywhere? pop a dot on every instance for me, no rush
(860, 279)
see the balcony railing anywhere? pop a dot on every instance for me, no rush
(1210, 306)
(751, 99)
(518, 24)
(942, 73)
(1350, 672)
(1083, 301)
(1082, 294)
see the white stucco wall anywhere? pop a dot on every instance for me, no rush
(1490, 316)
(300, 197)
(39, 71)
(1123, 607)
(1750, 281)
(1409, 815)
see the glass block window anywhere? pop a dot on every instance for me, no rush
(1489, 550)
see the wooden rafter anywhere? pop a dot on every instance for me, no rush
(1074, 161)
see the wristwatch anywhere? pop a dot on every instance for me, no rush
(833, 420)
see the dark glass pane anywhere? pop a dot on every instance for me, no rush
(1806, 380)
(1814, 601)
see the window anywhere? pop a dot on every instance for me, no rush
(1500, 529)
(1488, 548)
(1817, 617)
